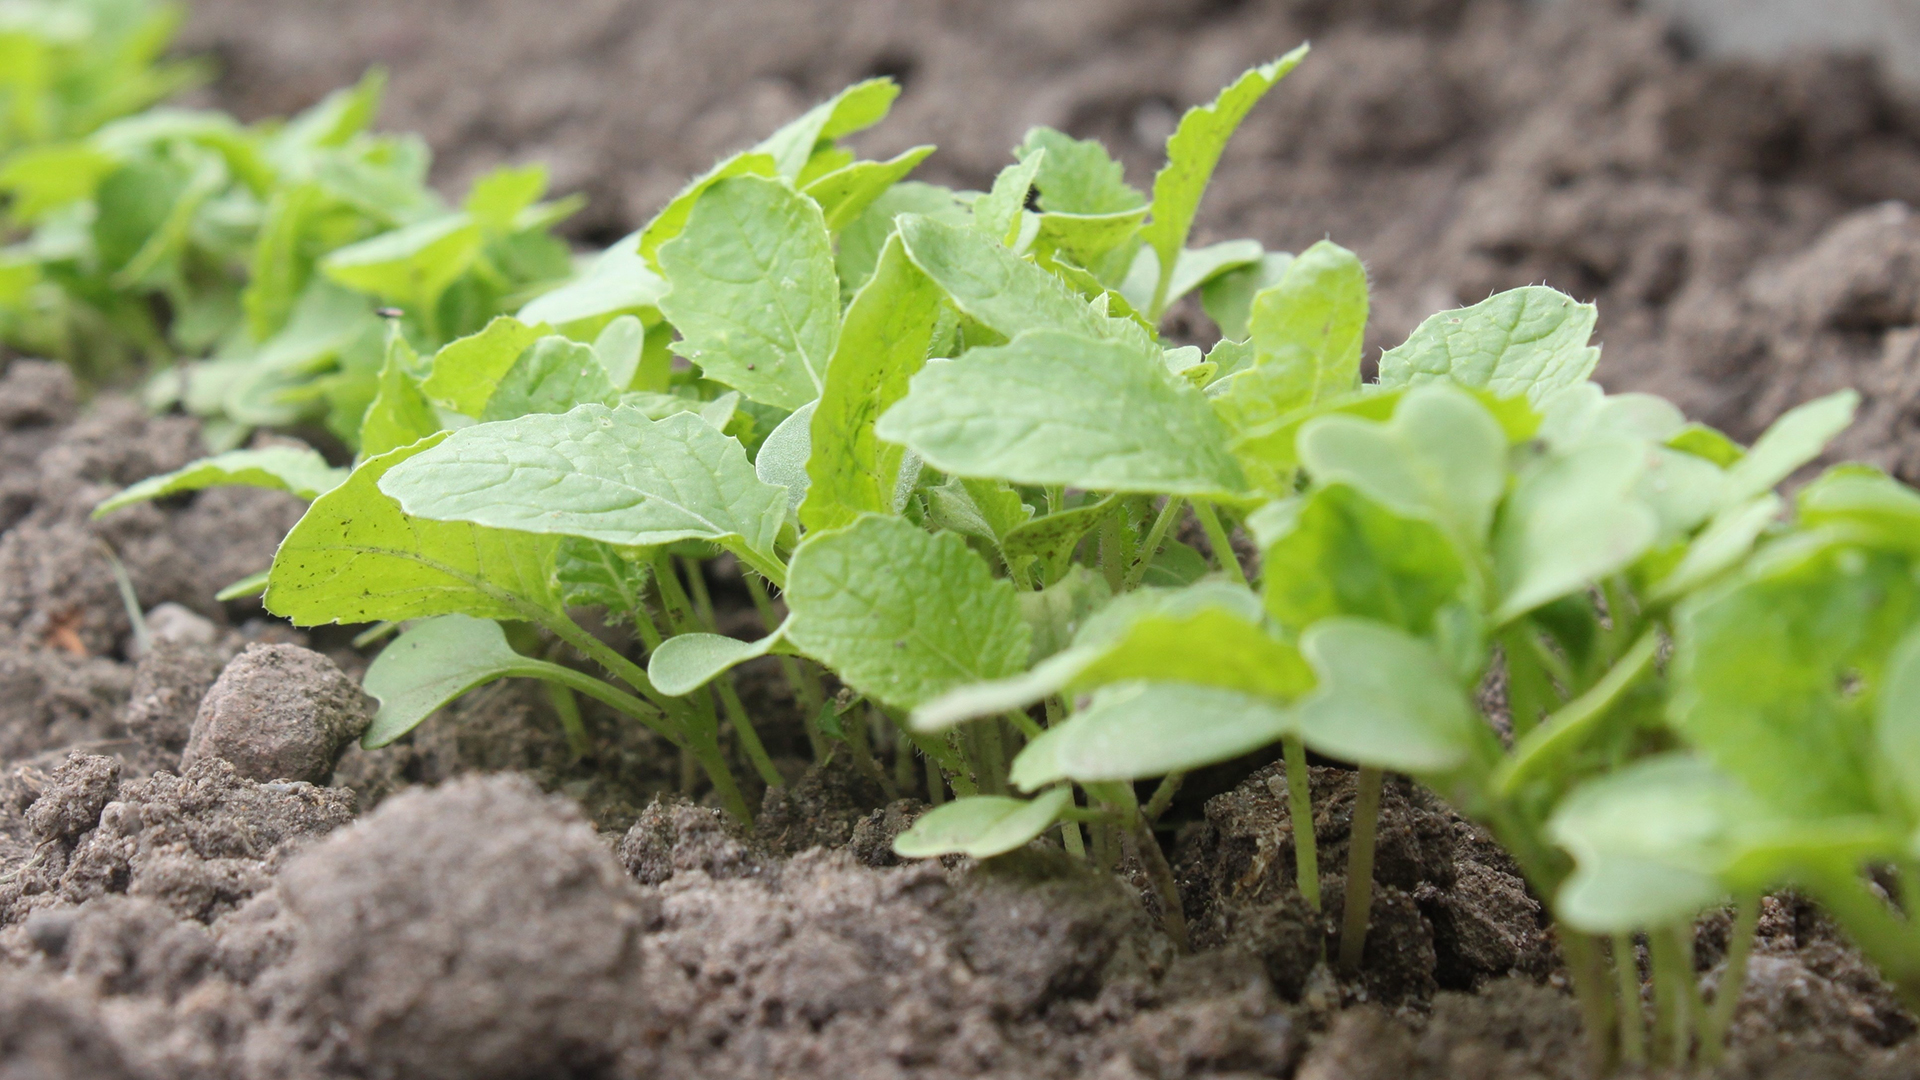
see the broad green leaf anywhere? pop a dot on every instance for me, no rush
(1530, 341)
(1344, 554)
(859, 106)
(754, 295)
(1720, 546)
(357, 557)
(1196, 269)
(431, 664)
(1775, 673)
(988, 509)
(1076, 176)
(400, 414)
(552, 376)
(992, 285)
(619, 347)
(902, 615)
(1192, 153)
(1137, 730)
(302, 472)
(1307, 331)
(619, 281)
(862, 241)
(1586, 412)
(1442, 456)
(589, 573)
(1795, 439)
(1388, 700)
(466, 372)
(1059, 408)
(44, 178)
(1570, 522)
(413, 265)
(1051, 539)
(672, 218)
(1228, 299)
(1057, 612)
(782, 460)
(1084, 240)
(498, 197)
(1896, 721)
(884, 341)
(601, 474)
(981, 826)
(845, 194)
(686, 662)
(997, 213)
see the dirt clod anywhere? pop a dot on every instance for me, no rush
(279, 712)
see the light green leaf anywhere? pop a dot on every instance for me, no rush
(551, 376)
(859, 106)
(1572, 520)
(466, 372)
(782, 460)
(1388, 700)
(1137, 730)
(1228, 299)
(1057, 612)
(672, 218)
(44, 178)
(861, 242)
(754, 295)
(1076, 176)
(498, 197)
(299, 471)
(845, 194)
(1051, 539)
(1059, 408)
(433, 663)
(1192, 153)
(1196, 269)
(997, 213)
(888, 330)
(618, 347)
(1720, 546)
(981, 826)
(1896, 721)
(686, 662)
(992, 285)
(589, 573)
(988, 509)
(1084, 240)
(619, 280)
(413, 265)
(1307, 331)
(901, 615)
(1530, 341)
(602, 474)
(1344, 554)
(357, 557)
(1795, 439)
(400, 414)
(1442, 456)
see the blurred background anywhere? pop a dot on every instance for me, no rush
(1728, 178)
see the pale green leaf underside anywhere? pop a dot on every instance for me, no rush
(1137, 730)
(303, 473)
(981, 826)
(430, 665)
(620, 280)
(1530, 341)
(603, 474)
(1386, 699)
(686, 662)
(1058, 408)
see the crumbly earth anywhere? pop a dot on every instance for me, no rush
(477, 901)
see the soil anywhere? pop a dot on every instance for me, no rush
(181, 899)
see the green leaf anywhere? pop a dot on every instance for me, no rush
(1795, 439)
(357, 557)
(1060, 408)
(412, 266)
(467, 372)
(686, 662)
(1530, 341)
(1057, 612)
(1896, 721)
(901, 615)
(1137, 730)
(672, 218)
(551, 376)
(992, 285)
(997, 213)
(589, 573)
(601, 474)
(783, 456)
(400, 414)
(1388, 700)
(888, 330)
(1084, 240)
(1345, 554)
(301, 472)
(619, 347)
(1228, 299)
(1192, 153)
(1571, 521)
(1442, 456)
(44, 178)
(1720, 546)
(845, 194)
(433, 663)
(1196, 269)
(1051, 539)
(861, 242)
(1076, 176)
(619, 281)
(498, 197)
(754, 295)
(859, 106)
(981, 826)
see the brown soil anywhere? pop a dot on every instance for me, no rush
(1741, 226)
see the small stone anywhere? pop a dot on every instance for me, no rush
(279, 712)
(82, 786)
(175, 622)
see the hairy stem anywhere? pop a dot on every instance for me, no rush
(800, 678)
(1359, 898)
(1156, 537)
(568, 710)
(1306, 856)
(702, 599)
(743, 729)
(1221, 543)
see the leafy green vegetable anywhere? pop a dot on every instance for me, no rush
(981, 826)
(1530, 341)
(300, 472)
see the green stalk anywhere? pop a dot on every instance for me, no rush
(702, 599)
(1156, 537)
(750, 743)
(1306, 856)
(568, 710)
(1221, 543)
(1529, 690)
(1112, 561)
(1138, 835)
(936, 784)
(1587, 968)
(1733, 980)
(1563, 732)
(1163, 796)
(1671, 1033)
(1633, 1021)
(855, 728)
(805, 686)
(1359, 898)
(1693, 1007)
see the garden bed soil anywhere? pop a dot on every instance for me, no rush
(478, 902)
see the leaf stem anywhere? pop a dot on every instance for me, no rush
(1218, 539)
(1633, 1018)
(800, 679)
(702, 599)
(750, 743)
(1670, 1031)
(1587, 969)
(1359, 897)
(1156, 537)
(1306, 857)
(1562, 732)
(1733, 981)
(1137, 835)
(1163, 796)
(568, 710)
